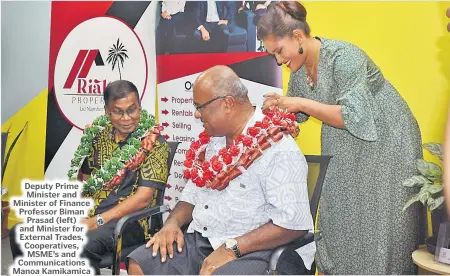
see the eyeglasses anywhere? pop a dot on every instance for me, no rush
(132, 112)
(199, 106)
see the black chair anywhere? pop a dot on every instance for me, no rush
(317, 168)
(113, 259)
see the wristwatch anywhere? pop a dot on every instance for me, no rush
(232, 245)
(100, 220)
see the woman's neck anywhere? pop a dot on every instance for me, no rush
(313, 54)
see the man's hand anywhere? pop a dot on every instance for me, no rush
(91, 223)
(223, 22)
(241, 9)
(166, 15)
(205, 34)
(164, 239)
(260, 7)
(217, 259)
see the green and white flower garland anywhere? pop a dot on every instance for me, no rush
(120, 156)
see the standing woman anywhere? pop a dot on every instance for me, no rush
(370, 132)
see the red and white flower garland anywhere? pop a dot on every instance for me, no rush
(232, 161)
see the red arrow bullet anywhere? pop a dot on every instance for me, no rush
(165, 124)
(166, 137)
(168, 186)
(168, 197)
(165, 112)
(164, 99)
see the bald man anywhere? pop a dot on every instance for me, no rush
(234, 230)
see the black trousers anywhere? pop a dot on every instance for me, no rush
(166, 32)
(219, 36)
(100, 241)
(196, 248)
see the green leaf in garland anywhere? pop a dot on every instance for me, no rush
(103, 121)
(124, 155)
(133, 151)
(96, 129)
(131, 140)
(116, 154)
(84, 151)
(90, 181)
(99, 174)
(99, 185)
(119, 157)
(71, 172)
(135, 143)
(90, 136)
(139, 132)
(107, 177)
(75, 162)
(114, 160)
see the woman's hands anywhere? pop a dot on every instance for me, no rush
(291, 104)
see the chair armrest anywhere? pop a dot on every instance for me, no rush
(120, 226)
(292, 246)
(147, 212)
(245, 19)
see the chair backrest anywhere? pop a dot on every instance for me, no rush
(317, 168)
(156, 221)
(172, 150)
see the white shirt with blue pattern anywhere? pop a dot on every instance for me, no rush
(274, 188)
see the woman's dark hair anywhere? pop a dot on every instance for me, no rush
(282, 19)
(119, 89)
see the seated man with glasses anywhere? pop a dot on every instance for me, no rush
(236, 218)
(139, 187)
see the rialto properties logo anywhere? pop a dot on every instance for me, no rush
(97, 51)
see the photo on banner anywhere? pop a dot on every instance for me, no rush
(185, 27)
(192, 36)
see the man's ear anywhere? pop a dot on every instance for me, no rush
(229, 102)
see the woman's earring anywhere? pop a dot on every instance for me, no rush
(300, 49)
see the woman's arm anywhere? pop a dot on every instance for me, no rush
(329, 114)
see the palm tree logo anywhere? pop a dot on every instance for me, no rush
(117, 55)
